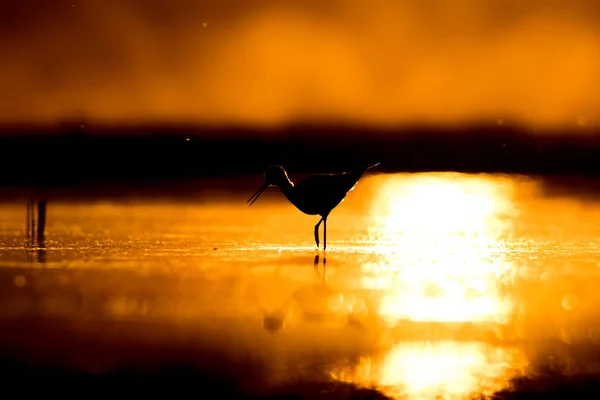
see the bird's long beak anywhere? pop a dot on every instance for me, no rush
(257, 194)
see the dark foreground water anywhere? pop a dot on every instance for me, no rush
(433, 285)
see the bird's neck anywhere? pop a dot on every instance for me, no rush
(287, 187)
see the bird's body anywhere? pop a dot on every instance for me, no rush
(320, 194)
(314, 195)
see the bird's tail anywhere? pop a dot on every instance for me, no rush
(362, 169)
(369, 166)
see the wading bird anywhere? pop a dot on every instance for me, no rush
(314, 195)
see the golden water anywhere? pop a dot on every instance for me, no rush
(434, 284)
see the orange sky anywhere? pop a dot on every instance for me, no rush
(276, 61)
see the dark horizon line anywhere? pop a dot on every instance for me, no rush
(83, 127)
(78, 158)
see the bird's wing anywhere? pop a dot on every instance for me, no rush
(329, 188)
(324, 184)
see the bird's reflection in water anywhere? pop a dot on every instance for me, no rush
(41, 250)
(316, 262)
(36, 248)
(274, 321)
(317, 303)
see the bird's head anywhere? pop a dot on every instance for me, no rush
(275, 175)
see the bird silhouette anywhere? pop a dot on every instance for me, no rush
(315, 195)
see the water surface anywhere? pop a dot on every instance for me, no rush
(437, 284)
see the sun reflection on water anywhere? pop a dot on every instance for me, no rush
(456, 369)
(442, 241)
(446, 369)
(443, 258)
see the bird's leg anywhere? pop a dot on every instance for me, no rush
(317, 232)
(324, 233)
